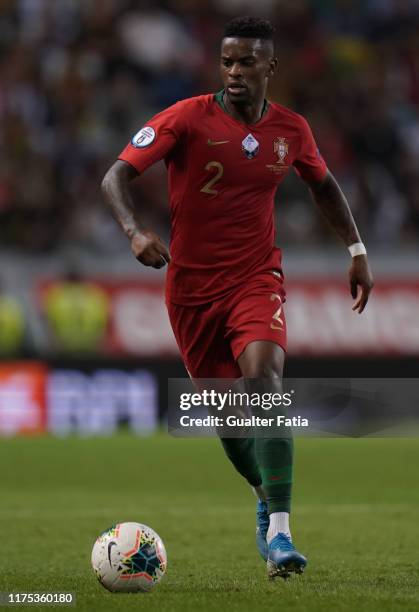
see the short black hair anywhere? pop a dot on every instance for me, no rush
(249, 27)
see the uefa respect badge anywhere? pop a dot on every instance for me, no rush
(144, 137)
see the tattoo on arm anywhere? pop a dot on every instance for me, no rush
(334, 206)
(116, 192)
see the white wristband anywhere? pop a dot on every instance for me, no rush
(357, 248)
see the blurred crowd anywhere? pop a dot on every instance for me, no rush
(79, 77)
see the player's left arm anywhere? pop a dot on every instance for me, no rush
(330, 199)
(311, 167)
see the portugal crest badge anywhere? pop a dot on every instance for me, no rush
(280, 149)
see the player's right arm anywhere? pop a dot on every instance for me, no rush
(146, 246)
(153, 142)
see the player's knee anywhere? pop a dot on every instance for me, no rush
(262, 360)
(264, 369)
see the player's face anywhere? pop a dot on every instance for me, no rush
(246, 65)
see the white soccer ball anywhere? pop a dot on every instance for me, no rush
(129, 557)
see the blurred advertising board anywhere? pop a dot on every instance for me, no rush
(22, 397)
(319, 318)
(321, 322)
(36, 398)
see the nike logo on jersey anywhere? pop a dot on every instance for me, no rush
(212, 143)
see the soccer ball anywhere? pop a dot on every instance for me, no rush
(129, 557)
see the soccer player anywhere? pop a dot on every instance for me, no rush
(226, 154)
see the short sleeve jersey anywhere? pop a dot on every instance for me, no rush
(223, 175)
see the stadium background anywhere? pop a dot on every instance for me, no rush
(85, 345)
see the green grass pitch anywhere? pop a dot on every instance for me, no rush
(355, 516)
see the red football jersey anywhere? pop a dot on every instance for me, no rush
(223, 175)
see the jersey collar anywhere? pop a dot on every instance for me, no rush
(219, 98)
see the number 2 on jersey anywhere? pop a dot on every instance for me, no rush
(207, 188)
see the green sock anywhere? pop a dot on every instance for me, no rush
(241, 452)
(275, 457)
